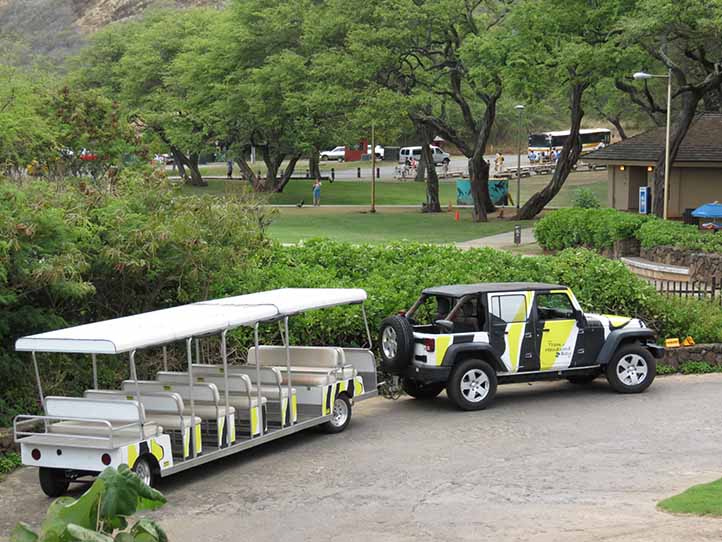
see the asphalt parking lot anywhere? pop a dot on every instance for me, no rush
(546, 462)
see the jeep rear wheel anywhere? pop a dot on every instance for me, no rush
(472, 385)
(631, 370)
(419, 390)
(397, 344)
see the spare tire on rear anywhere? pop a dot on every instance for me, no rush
(397, 344)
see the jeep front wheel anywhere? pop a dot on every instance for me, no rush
(472, 385)
(397, 344)
(418, 390)
(631, 370)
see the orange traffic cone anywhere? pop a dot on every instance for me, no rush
(456, 216)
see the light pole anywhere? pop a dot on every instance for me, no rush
(644, 75)
(519, 108)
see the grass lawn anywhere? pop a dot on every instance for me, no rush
(386, 225)
(701, 500)
(410, 192)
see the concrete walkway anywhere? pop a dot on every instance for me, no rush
(500, 241)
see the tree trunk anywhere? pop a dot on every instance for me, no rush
(314, 167)
(191, 163)
(196, 177)
(684, 119)
(614, 121)
(433, 204)
(567, 159)
(421, 167)
(248, 173)
(479, 178)
(281, 183)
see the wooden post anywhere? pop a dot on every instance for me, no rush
(373, 168)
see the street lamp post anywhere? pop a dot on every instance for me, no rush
(644, 75)
(519, 108)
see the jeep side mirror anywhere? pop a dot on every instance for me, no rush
(446, 325)
(579, 317)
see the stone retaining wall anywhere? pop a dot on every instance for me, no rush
(711, 353)
(668, 255)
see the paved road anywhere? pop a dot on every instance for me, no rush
(548, 462)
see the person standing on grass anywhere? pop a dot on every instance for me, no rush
(229, 169)
(316, 193)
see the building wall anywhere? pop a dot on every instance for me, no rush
(688, 187)
(696, 187)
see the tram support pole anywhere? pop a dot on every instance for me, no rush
(224, 356)
(95, 371)
(287, 343)
(261, 419)
(189, 353)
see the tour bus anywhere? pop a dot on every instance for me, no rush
(172, 420)
(544, 143)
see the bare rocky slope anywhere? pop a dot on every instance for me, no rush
(58, 28)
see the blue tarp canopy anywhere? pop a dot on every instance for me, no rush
(708, 210)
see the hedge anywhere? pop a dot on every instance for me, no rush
(598, 229)
(591, 228)
(73, 255)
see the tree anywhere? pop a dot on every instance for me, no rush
(138, 63)
(683, 37)
(453, 51)
(566, 46)
(27, 133)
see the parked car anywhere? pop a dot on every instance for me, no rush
(440, 156)
(471, 337)
(379, 151)
(337, 153)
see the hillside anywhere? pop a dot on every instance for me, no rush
(57, 28)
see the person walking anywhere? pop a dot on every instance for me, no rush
(316, 193)
(499, 162)
(229, 169)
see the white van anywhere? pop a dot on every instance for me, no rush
(440, 157)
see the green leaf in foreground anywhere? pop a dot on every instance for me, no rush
(125, 493)
(23, 533)
(81, 534)
(700, 500)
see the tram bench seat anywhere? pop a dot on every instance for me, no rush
(310, 365)
(240, 398)
(272, 387)
(163, 408)
(159, 406)
(207, 403)
(125, 420)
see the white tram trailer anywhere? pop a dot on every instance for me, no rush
(212, 409)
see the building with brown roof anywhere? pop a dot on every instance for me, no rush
(695, 176)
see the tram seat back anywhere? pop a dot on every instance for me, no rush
(202, 392)
(103, 408)
(237, 383)
(269, 375)
(161, 402)
(330, 357)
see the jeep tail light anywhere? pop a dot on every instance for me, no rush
(430, 345)
(35, 454)
(105, 458)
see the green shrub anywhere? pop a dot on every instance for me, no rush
(9, 462)
(591, 228)
(698, 367)
(584, 198)
(70, 254)
(675, 234)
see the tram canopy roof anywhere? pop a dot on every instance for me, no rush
(197, 319)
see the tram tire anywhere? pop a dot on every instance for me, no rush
(340, 415)
(53, 482)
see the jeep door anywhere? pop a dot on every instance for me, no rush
(511, 330)
(560, 336)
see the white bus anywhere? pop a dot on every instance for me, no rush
(179, 419)
(544, 143)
